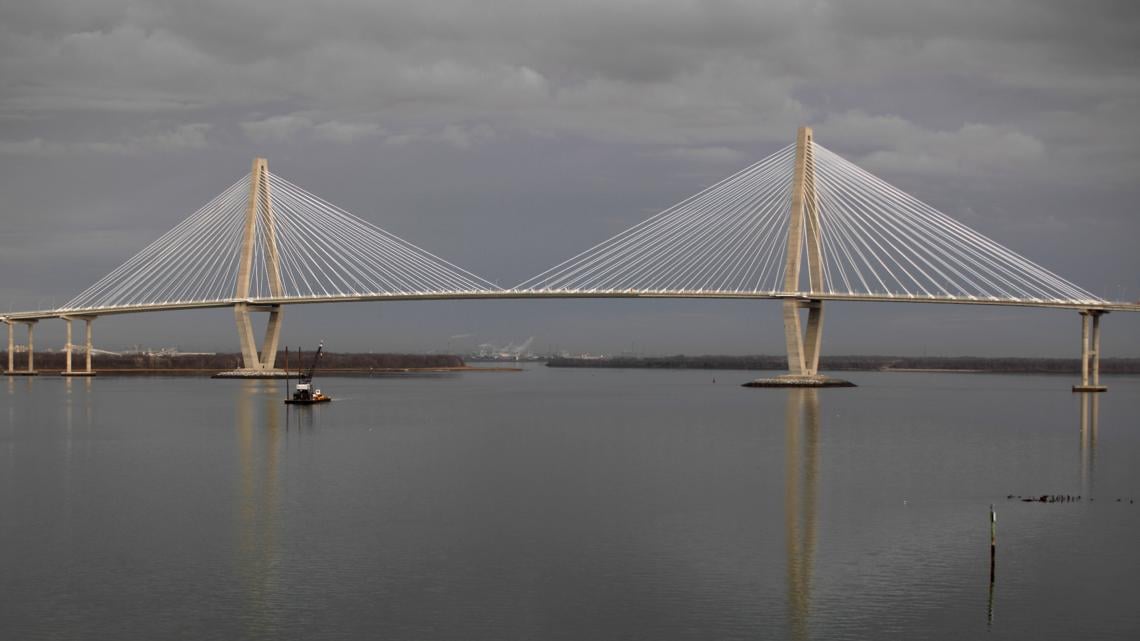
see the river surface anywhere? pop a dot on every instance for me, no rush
(568, 504)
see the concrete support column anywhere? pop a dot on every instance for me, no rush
(1090, 352)
(1095, 349)
(793, 337)
(249, 357)
(1084, 349)
(252, 359)
(70, 347)
(30, 368)
(813, 338)
(87, 322)
(272, 336)
(803, 344)
(67, 346)
(31, 346)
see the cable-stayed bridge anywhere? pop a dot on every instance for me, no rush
(803, 226)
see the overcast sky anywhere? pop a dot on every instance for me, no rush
(507, 136)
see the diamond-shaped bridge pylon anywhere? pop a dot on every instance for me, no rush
(264, 238)
(863, 239)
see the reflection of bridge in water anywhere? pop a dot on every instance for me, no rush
(802, 425)
(801, 463)
(1090, 419)
(258, 554)
(265, 243)
(264, 431)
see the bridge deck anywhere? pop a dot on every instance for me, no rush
(537, 294)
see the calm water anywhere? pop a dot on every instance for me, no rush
(567, 504)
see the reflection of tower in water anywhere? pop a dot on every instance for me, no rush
(258, 500)
(71, 438)
(801, 459)
(1090, 415)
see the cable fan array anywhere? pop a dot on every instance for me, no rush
(875, 241)
(879, 240)
(322, 252)
(730, 237)
(328, 252)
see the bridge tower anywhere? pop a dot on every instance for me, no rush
(803, 228)
(803, 342)
(260, 227)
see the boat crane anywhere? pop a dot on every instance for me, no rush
(305, 394)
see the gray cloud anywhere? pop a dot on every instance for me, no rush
(712, 155)
(296, 125)
(900, 146)
(673, 72)
(181, 137)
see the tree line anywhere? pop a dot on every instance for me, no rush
(999, 364)
(228, 361)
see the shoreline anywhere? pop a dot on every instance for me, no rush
(945, 370)
(871, 363)
(212, 364)
(324, 372)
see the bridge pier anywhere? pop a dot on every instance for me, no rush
(257, 363)
(88, 321)
(1090, 352)
(31, 351)
(258, 208)
(803, 344)
(69, 346)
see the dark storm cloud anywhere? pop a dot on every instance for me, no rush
(671, 72)
(1017, 116)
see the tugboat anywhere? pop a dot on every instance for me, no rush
(305, 394)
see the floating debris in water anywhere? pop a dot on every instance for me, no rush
(1055, 498)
